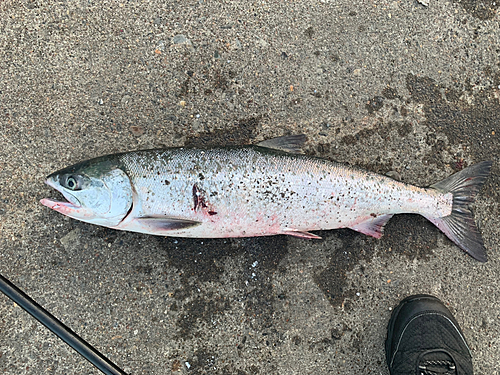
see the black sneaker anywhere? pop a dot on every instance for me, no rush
(423, 338)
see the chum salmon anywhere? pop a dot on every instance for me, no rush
(259, 190)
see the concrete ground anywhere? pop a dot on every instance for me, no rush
(391, 86)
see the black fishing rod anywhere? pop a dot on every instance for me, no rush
(59, 329)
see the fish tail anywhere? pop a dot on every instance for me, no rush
(460, 226)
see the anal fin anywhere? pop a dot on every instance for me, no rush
(372, 227)
(300, 234)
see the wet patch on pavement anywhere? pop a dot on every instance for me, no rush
(203, 261)
(200, 309)
(483, 10)
(469, 121)
(409, 235)
(333, 279)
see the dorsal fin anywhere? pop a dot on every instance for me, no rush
(288, 143)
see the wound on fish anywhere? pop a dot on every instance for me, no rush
(199, 200)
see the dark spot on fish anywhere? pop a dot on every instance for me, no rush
(373, 215)
(213, 193)
(200, 176)
(211, 213)
(167, 182)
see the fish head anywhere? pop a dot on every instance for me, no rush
(97, 192)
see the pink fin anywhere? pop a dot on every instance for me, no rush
(372, 227)
(298, 233)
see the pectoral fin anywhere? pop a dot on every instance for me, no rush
(160, 224)
(300, 234)
(372, 227)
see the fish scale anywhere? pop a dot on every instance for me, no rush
(260, 190)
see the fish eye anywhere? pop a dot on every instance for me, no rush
(72, 183)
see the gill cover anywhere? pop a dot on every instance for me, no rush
(97, 194)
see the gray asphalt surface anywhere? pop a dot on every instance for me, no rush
(391, 86)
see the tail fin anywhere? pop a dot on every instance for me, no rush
(459, 226)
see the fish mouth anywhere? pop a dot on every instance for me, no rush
(67, 207)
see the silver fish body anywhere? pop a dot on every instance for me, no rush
(253, 192)
(258, 191)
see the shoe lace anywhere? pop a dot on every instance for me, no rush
(437, 368)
